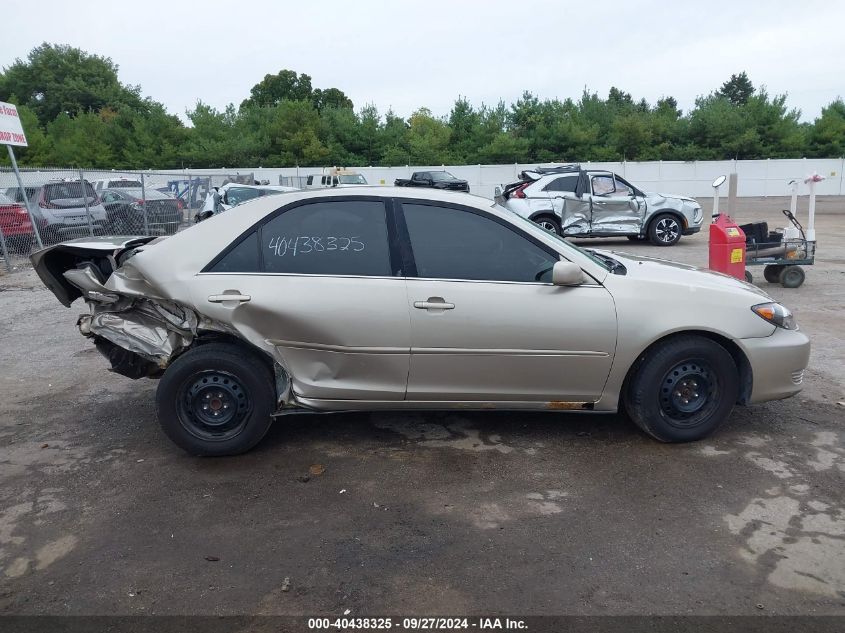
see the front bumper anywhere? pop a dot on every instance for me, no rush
(691, 230)
(777, 364)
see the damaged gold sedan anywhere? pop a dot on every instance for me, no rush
(388, 298)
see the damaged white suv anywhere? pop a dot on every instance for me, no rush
(574, 202)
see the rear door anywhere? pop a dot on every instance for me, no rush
(573, 211)
(615, 210)
(320, 282)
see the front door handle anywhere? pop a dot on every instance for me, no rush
(434, 303)
(229, 297)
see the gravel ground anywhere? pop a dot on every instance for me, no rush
(424, 513)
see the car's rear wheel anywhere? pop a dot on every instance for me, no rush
(683, 389)
(665, 230)
(549, 223)
(216, 399)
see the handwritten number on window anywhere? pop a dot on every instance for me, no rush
(305, 244)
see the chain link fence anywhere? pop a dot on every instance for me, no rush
(52, 205)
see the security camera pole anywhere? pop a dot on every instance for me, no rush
(11, 133)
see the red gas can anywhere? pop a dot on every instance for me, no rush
(727, 247)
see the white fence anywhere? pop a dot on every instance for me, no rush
(756, 177)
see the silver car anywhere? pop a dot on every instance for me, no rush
(403, 299)
(575, 202)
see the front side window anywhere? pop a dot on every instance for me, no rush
(442, 176)
(339, 237)
(602, 185)
(450, 243)
(623, 188)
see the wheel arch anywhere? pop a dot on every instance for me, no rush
(743, 365)
(549, 213)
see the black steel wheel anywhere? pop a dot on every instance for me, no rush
(216, 399)
(682, 389)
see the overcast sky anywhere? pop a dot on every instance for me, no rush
(404, 55)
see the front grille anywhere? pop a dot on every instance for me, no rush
(798, 377)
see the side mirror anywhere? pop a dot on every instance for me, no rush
(567, 274)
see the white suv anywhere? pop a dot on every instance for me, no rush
(59, 208)
(571, 201)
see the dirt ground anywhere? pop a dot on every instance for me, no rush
(440, 513)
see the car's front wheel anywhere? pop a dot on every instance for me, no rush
(216, 399)
(665, 230)
(683, 389)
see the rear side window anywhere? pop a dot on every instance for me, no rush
(451, 243)
(342, 237)
(241, 259)
(567, 183)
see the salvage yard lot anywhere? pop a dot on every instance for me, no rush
(420, 513)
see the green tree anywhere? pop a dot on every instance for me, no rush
(286, 85)
(56, 79)
(827, 136)
(738, 89)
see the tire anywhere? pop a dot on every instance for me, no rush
(772, 273)
(216, 399)
(663, 398)
(749, 277)
(792, 276)
(549, 223)
(665, 230)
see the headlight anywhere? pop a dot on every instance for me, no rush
(776, 314)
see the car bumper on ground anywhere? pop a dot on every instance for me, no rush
(777, 364)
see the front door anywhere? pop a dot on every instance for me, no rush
(616, 210)
(317, 284)
(486, 322)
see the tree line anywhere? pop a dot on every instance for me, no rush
(77, 112)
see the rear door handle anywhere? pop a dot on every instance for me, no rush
(228, 297)
(434, 303)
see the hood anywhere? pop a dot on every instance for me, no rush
(665, 271)
(671, 196)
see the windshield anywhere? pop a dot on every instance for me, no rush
(519, 220)
(4, 199)
(352, 179)
(440, 176)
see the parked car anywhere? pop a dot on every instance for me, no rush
(59, 208)
(126, 209)
(572, 201)
(434, 180)
(404, 299)
(232, 194)
(116, 183)
(335, 177)
(16, 225)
